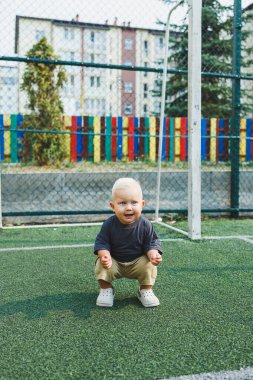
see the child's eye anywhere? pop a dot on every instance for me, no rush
(122, 203)
(134, 203)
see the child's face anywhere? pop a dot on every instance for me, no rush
(127, 205)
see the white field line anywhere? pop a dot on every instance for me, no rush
(242, 374)
(26, 227)
(172, 228)
(66, 246)
(45, 247)
(227, 237)
(247, 239)
(91, 224)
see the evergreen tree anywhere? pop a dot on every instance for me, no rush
(42, 82)
(216, 58)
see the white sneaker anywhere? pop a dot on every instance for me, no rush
(147, 298)
(105, 297)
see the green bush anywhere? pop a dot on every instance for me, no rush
(42, 82)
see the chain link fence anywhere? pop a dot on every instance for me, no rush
(80, 98)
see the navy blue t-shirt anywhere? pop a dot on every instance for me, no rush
(127, 242)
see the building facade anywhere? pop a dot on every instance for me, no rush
(92, 90)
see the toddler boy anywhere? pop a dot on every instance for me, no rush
(127, 246)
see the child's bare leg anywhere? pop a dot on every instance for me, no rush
(104, 284)
(146, 287)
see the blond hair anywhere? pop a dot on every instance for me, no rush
(125, 183)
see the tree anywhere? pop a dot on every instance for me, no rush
(42, 82)
(216, 58)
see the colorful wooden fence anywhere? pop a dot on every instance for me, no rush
(95, 138)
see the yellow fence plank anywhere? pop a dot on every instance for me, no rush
(97, 139)
(213, 139)
(7, 120)
(177, 138)
(242, 139)
(7, 143)
(67, 121)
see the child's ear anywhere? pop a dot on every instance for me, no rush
(143, 203)
(112, 205)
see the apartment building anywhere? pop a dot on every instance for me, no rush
(93, 90)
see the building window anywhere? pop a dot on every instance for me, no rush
(128, 109)
(95, 81)
(72, 55)
(145, 108)
(39, 34)
(161, 42)
(94, 106)
(145, 48)
(128, 43)
(145, 90)
(128, 87)
(69, 34)
(145, 72)
(92, 37)
(72, 80)
(92, 58)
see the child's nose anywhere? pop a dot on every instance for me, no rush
(129, 206)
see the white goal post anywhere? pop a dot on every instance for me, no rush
(194, 118)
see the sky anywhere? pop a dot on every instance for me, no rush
(141, 13)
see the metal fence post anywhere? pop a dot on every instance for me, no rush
(236, 107)
(194, 120)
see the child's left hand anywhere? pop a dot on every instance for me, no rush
(154, 257)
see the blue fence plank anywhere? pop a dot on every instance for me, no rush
(164, 140)
(79, 139)
(120, 138)
(221, 141)
(249, 133)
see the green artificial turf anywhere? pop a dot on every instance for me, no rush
(60, 236)
(50, 327)
(215, 226)
(86, 235)
(47, 236)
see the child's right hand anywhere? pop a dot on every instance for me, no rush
(106, 261)
(154, 257)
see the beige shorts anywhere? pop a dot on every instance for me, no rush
(140, 269)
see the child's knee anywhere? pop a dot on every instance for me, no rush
(145, 272)
(102, 273)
